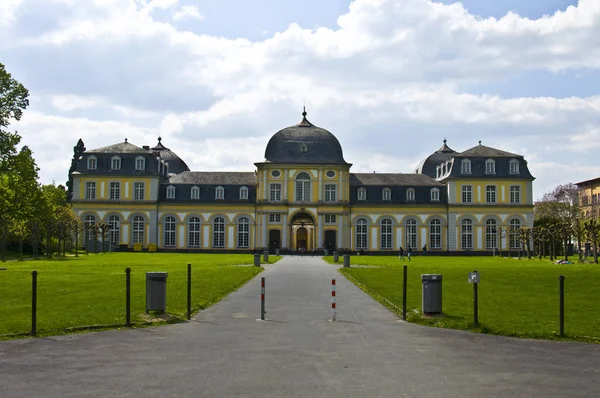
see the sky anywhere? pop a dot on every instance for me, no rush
(390, 78)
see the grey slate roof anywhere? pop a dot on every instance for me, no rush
(321, 146)
(486, 151)
(176, 164)
(393, 179)
(214, 178)
(429, 165)
(122, 147)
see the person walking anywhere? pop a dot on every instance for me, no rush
(401, 254)
(424, 249)
(409, 252)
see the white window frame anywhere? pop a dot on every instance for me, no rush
(114, 229)
(170, 228)
(515, 194)
(275, 218)
(195, 192)
(386, 194)
(244, 193)
(410, 195)
(114, 190)
(410, 237)
(219, 193)
(491, 234)
(92, 163)
(330, 192)
(139, 224)
(90, 190)
(491, 194)
(243, 240)
(138, 190)
(303, 182)
(435, 234)
(386, 234)
(514, 232)
(170, 192)
(362, 236)
(435, 195)
(115, 163)
(275, 192)
(490, 166)
(218, 240)
(140, 163)
(89, 223)
(514, 167)
(465, 166)
(467, 194)
(362, 194)
(194, 227)
(330, 218)
(466, 234)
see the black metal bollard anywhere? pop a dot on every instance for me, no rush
(404, 289)
(34, 275)
(562, 304)
(475, 305)
(189, 292)
(128, 297)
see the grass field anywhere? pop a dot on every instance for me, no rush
(90, 290)
(516, 297)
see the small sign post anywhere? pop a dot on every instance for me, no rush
(474, 279)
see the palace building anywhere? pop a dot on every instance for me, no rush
(303, 196)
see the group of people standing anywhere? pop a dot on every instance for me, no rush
(408, 252)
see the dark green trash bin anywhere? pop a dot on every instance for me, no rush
(156, 291)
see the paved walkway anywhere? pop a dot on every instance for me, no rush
(298, 352)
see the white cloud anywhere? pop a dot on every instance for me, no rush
(188, 12)
(7, 10)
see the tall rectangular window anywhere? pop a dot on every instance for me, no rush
(329, 218)
(515, 194)
(275, 192)
(490, 194)
(92, 163)
(115, 191)
(330, 190)
(275, 218)
(115, 163)
(467, 194)
(138, 191)
(90, 190)
(140, 163)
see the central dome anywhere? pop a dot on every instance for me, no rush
(304, 143)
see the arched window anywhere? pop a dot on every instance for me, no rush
(410, 195)
(195, 193)
(90, 225)
(362, 194)
(466, 234)
(92, 162)
(386, 233)
(435, 234)
(138, 229)
(243, 232)
(170, 227)
(219, 232)
(114, 229)
(361, 234)
(514, 166)
(435, 194)
(411, 233)
(220, 193)
(490, 166)
(515, 227)
(465, 166)
(491, 234)
(194, 232)
(140, 163)
(303, 188)
(170, 192)
(115, 163)
(243, 193)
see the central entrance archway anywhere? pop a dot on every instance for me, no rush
(302, 226)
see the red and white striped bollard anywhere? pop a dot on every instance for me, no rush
(262, 299)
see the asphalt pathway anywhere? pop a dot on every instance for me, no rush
(297, 352)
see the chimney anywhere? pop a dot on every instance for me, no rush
(146, 147)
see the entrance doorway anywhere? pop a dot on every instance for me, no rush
(274, 239)
(330, 240)
(302, 239)
(302, 228)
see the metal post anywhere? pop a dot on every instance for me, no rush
(128, 297)
(404, 289)
(562, 305)
(333, 309)
(189, 292)
(34, 275)
(475, 305)
(262, 298)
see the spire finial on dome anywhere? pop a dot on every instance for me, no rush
(159, 139)
(125, 139)
(445, 140)
(479, 142)
(304, 112)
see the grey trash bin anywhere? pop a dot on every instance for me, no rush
(336, 256)
(266, 256)
(257, 259)
(277, 252)
(346, 260)
(432, 294)
(156, 291)
(327, 252)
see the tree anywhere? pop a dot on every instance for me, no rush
(591, 229)
(78, 150)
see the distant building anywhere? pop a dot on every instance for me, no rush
(589, 197)
(304, 197)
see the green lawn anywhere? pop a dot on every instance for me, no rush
(90, 290)
(516, 297)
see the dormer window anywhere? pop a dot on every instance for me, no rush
(435, 194)
(490, 166)
(244, 193)
(115, 163)
(195, 193)
(170, 192)
(362, 194)
(465, 166)
(514, 166)
(386, 194)
(438, 172)
(92, 163)
(410, 195)
(140, 163)
(220, 193)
